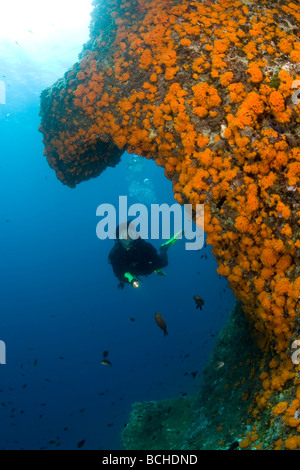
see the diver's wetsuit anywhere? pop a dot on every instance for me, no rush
(141, 259)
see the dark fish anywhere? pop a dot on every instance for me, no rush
(35, 362)
(199, 301)
(105, 353)
(160, 321)
(80, 444)
(234, 445)
(132, 319)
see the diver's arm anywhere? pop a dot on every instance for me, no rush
(121, 271)
(116, 259)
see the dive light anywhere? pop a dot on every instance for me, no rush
(132, 280)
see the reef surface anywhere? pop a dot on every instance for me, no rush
(208, 89)
(217, 416)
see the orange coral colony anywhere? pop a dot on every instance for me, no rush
(205, 89)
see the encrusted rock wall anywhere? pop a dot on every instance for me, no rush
(207, 90)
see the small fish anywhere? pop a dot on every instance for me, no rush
(219, 365)
(199, 301)
(106, 362)
(234, 445)
(80, 444)
(160, 321)
(132, 319)
(105, 353)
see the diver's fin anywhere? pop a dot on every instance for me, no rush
(177, 236)
(160, 272)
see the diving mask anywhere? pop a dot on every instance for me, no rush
(127, 236)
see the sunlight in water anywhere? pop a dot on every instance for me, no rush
(44, 29)
(43, 18)
(39, 41)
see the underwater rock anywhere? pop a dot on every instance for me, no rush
(215, 417)
(206, 89)
(157, 425)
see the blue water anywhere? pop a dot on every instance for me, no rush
(61, 308)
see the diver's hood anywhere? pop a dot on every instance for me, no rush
(126, 233)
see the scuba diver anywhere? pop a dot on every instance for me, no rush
(131, 256)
